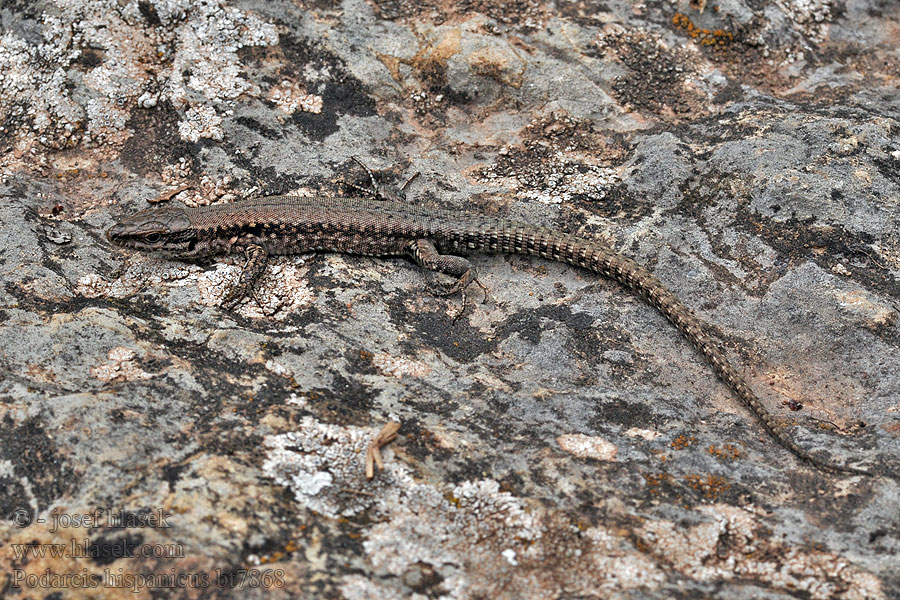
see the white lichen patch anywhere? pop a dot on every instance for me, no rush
(278, 369)
(207, 51)
(281, 292)
(323, 464)
(395, 366)
(559, 179)
(300, 401)
(213, 284)
(812, 17)
(32, 83)
(645, 434)
(730, 546)
(94, 286)
(587, 446)
(481, 541)
(201, 122)
(291, 96)
(146, 274)
(866, 308)
(122, 366)
(187, 57)
(565, 182)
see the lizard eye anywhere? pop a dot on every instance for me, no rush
(152, 238)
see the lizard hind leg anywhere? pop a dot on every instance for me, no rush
(426, 255)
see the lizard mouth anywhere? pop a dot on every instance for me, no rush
(170, 246)
(115, 234)
(158, 229)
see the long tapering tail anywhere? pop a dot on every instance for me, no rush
(600, 259)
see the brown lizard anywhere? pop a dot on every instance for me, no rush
(434, 238)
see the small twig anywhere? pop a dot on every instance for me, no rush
(409, 181)
(166, 196)
(387, 435)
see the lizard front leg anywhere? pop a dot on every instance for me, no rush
(250, 274)
(426, 255)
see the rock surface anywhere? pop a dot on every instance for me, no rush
(560, 440)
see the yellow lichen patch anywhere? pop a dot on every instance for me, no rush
(655, 481)
(710, 486)
(727, 451)
(717, 38)
(682, 441)
(392, 63)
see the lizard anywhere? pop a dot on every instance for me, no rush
(384, 224)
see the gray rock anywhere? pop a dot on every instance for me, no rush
(559, 440)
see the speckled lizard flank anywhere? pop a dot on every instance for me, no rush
(433, 238)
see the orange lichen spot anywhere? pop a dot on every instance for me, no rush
(716, 38)
(727, 452)
(655, 481)
(710, 486)
(682, 442)
(271, 558)
(580, 524)
(642, 546)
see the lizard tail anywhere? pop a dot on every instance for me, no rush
(599, 259)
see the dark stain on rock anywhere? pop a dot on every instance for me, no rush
(29, 447)
(257, 127)
(342, 94)
(657, 81)
(436, 329)
(156, 144)
(109, 548)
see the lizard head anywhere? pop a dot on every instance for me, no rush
(163, 229)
